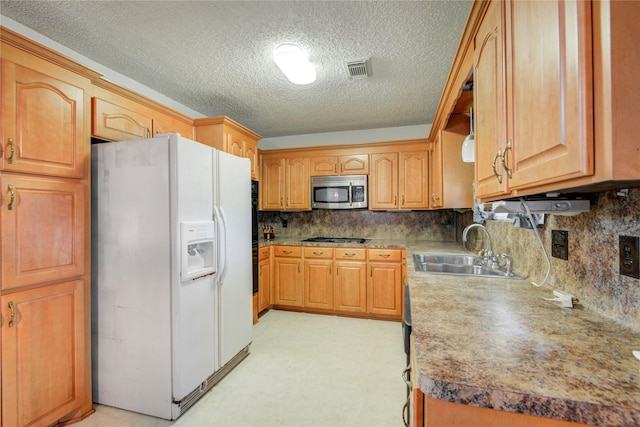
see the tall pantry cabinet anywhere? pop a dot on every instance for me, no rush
(45, 237)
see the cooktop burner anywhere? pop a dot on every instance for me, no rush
(336, 240)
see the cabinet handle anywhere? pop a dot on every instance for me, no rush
(395, 200)
(287, 252)
(12, 197)
(384, 255)
(317, 253)
(335, 168)
(337, 270)
(298, 267)
(12, 151)
(371, 271)
(13, 314)
(504, 160)
(495, 172)
(403, 200)
(350, 254)
(281, 205)
(434, 198)
(287, 202)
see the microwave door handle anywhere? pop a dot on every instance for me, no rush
(350, 194)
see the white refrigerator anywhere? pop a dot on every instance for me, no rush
(171, 271)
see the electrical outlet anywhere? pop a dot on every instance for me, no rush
(560, 244)
(629, 256)
(285, 223)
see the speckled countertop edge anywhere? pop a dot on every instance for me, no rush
(495, 343)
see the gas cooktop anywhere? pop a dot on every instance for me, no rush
(336, 240)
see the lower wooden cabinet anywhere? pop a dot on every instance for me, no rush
(351, 280)
(287, 276)
(318, 278)
(338, 280)
(384, 281)
(264, 284)
(43, 353)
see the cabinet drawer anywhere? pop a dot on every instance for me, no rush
(318, 252)
(351, 253)
(288, 251)
(264, 253)
(391, 255)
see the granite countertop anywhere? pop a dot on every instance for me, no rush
(496, 343)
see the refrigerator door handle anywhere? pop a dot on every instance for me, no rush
(223, 246)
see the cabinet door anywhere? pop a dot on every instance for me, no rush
(43, 128)
(288, 278)
(413, 180)
(356, 164)
(489, 100)
(234, 145)
(43, 368)
(551, 91)
(272, 184)
(318, 283)
(384, 288)
(251, 153)
(383, 181)
(43, 229)
(323, 166)
(351, 286)
(264, 284)
(117, 123)
(298, 196)
(166, 124)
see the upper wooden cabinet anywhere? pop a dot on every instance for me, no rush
(229, 136)
(413, 179)
(383, 181)
(114, 122)
(399, 180)
(355, 164)
(43, 118)
(115, 117)
(451, 180)
(285, 184)
(550, 102)
(548, 108)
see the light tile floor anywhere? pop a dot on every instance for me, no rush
(304, 370)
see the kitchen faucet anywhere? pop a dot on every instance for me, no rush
(486, 252)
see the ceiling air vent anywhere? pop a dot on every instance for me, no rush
(357, 69)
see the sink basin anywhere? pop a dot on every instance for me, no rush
(460, 264)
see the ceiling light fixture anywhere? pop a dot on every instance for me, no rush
(294, 64)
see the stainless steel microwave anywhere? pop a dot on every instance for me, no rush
(339, 192)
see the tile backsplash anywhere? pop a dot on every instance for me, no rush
(415, 225)
(590, 273)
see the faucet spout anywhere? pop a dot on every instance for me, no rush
(481, 227)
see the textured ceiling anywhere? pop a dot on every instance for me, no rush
(215, 57)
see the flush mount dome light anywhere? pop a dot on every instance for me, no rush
(294, 64)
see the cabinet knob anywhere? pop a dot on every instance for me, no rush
(495, 172)
(12, 197)
(12, 151)
(13, 314)
(504, 160)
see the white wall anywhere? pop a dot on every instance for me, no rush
(347, 137)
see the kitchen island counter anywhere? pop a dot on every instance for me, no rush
(496, 343)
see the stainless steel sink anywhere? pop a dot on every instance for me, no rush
(460, 264)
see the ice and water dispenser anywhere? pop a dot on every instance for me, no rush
(197, 249)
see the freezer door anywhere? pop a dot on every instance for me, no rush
(233, 199)
(195, 335)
